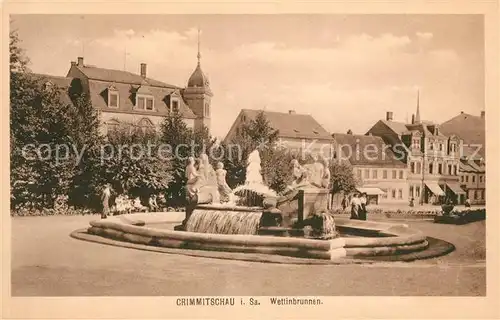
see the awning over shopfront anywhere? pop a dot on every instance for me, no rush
(371, 191)
(435, 188)
(455, 187)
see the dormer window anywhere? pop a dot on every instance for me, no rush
(144, 102)
(113, 97)
(174, 106)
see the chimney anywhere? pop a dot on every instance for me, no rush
(482, 114)
(291, 111)
(143, 70)
(461, 112)
(388, 116)
(349, 131)
(73, 63)
(80, 61)
(412, 119)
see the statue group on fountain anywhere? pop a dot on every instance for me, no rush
(316, 174)
(204, 184)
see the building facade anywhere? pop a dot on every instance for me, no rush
(296, 131)
(432, 158)
(125, 98)
(381, 175)
(471, 129)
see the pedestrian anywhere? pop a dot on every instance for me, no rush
(106, 194)
(467, 203)
(344, 202)
(355, 206)
(362, 209)
(153, 206)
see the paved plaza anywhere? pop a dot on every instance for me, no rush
(46, 261)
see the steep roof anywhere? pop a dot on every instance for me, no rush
(291, 125)
(162, 95)
(63, 84)
(372, 150)
(470, 128)
(119, 76)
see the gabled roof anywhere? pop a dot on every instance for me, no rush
(470, 128)
(291, 125)
(119, 76)
(372, 150)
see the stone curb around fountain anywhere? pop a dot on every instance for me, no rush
(396, 238)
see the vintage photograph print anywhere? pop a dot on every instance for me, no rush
(282, 157)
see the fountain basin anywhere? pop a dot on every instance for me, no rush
(385, 238)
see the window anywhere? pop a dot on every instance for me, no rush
(149, 104)
(450, 171)
(207, 110)
(419, 168)
(384, 174)
(384, 196)
(431, 146)
(482, 194)
(367, 173)
(411, 191)
(431, 168)
(412, 167)
(393, 193)
(462, 178)
(144, 103)
(394, 174)
(473, 179)
(417, 192)
(467, 179)
(416, 143)
(400, 194)
(359, 173)
(476, 194)
(175, 106)
(440, 147)
(455, 169)
(374, 174)
(113, 99)
(481, 179)
(401, 174)
(440, 168)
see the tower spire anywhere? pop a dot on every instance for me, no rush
(417, 115)
(199, 54)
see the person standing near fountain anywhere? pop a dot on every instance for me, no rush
(106, 194)
(355, 206)
(224, 189)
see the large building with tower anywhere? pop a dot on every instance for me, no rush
(123, 97)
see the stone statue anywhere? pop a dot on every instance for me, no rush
(224, 189)
(317, 170)
(325, 181)
(193, 179)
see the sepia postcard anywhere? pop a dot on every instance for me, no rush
(232, 160)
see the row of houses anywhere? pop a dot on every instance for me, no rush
(394, 161)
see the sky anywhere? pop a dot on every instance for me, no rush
(346, 71)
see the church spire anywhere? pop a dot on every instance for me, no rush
(199, 54)
(417, 115)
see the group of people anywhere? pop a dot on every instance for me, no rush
(357, 203)
(124, 204)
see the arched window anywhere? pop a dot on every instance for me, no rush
(112, 125)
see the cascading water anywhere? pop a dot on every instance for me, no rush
(224, 222)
